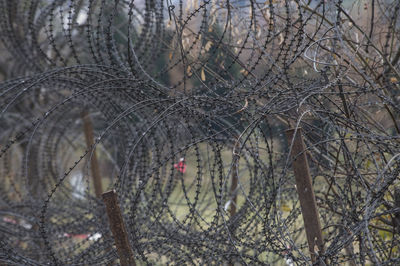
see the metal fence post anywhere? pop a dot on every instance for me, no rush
(118, 229)
(94, 165)
(306, 194)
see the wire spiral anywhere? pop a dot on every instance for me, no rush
(189, 103)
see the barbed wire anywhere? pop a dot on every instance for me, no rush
(188, 103)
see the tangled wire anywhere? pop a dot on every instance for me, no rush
(188, 103)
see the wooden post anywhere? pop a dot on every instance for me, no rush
(94, 165)
(118, 229)
(305, 191)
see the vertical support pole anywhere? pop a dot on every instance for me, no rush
(118, 229)
(234, 184)
(306, 194)
(94, 165)
(396, 222)
(234, 178)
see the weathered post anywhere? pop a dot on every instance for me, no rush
(234, 181)
(118, 229)
(94, 165)
(306, 194)
(233, 188)
(396, 222)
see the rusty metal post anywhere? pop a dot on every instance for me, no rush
(94, 165)
(234, 184)
(234, 178)
(118, 229)
(306, 194)
(396, 221)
